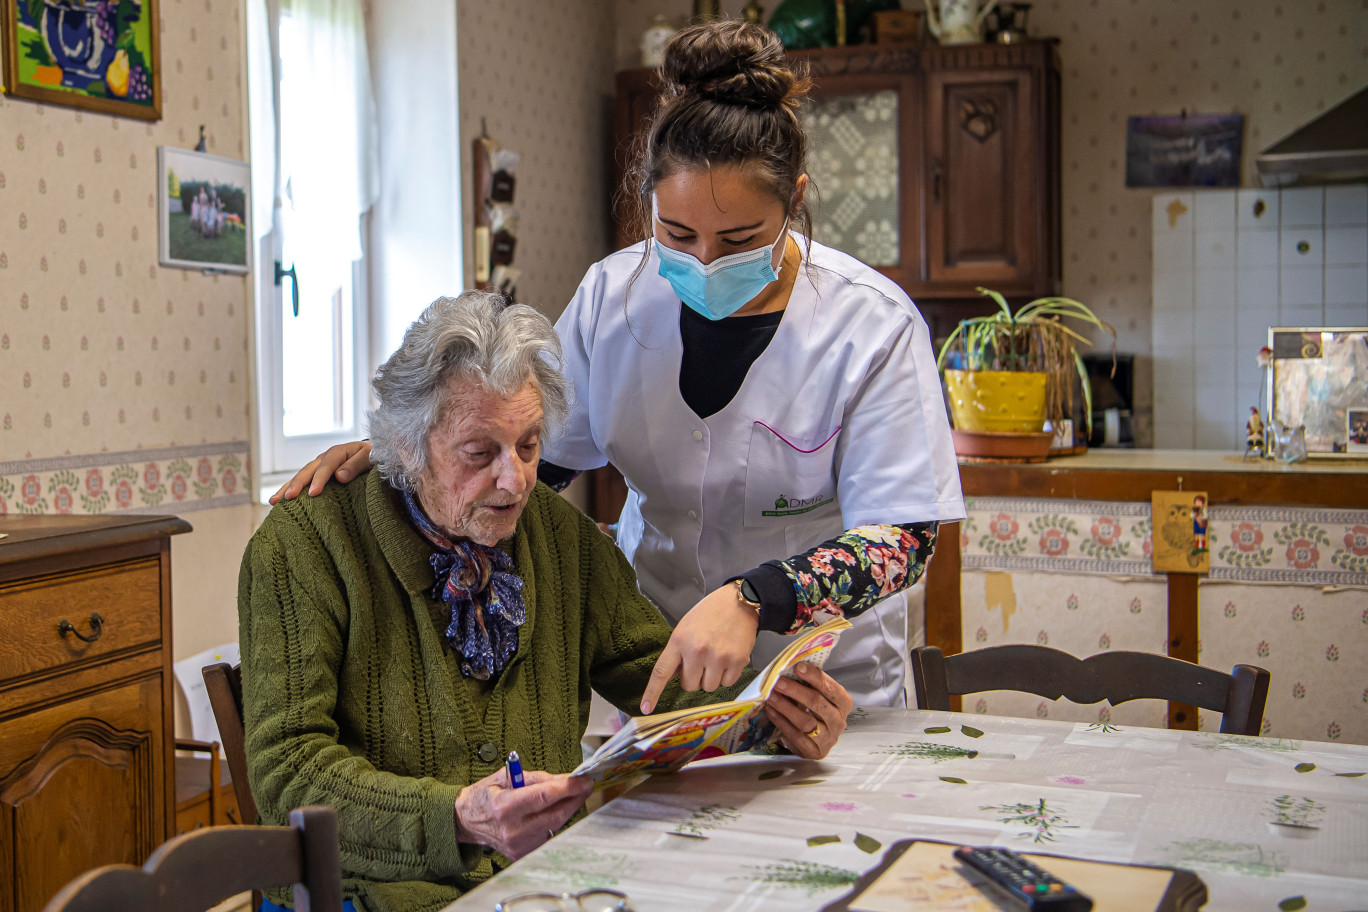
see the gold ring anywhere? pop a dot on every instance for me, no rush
(815, 732)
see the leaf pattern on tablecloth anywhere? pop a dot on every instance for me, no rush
(1246, 858)
(1042, 822)
(708, 817)
(929, 750)
(808, 876)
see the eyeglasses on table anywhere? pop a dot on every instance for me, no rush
(584, 901)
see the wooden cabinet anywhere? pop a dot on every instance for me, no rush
(939, 165)
(85, 714)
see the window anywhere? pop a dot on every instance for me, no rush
(315, 177)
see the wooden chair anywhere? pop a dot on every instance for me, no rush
(224, 683)
(1114, 676)
(198, 870)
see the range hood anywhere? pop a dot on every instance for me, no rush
(1333, 147)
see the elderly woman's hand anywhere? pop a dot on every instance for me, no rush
(343, 462)
(514, 821)
(810, 712)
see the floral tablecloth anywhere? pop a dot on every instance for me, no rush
(1267, 823)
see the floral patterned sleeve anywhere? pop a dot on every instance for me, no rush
(843, 576)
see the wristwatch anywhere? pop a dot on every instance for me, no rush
(746, 595)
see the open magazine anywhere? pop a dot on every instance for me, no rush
(666, 741)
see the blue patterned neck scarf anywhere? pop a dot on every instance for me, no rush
(484, 594)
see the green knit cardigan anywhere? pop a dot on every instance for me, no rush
(353, 700)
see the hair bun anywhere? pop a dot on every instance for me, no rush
(730, 61)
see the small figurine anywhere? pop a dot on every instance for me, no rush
(1254, 433)
(1199, 524)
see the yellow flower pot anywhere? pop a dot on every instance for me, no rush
(999, 401)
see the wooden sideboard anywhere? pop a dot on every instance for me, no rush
(86, 714)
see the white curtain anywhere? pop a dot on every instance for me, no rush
(328, 140)
(261, 108)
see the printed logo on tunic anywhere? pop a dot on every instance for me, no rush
(785, 507)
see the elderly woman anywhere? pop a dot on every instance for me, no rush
(401, 636)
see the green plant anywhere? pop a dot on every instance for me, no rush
(1034, 338)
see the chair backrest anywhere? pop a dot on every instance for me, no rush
(224, 683)
(1113, 676)
(197, 870)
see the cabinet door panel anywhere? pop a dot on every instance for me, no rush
(85, 796)
(981, 174)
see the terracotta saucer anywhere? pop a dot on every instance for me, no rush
(1004, 447)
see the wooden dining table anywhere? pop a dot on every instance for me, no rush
(1267, 824)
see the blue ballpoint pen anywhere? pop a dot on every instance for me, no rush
(515, 773)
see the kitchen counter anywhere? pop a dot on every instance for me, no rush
(1059, 552)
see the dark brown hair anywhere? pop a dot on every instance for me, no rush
(727, 97)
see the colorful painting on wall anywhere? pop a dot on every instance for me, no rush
(100, 55)
(204, 211)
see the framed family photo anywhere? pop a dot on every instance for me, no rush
(204, 211)
(99, 55)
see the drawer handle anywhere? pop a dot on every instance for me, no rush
(96, 625)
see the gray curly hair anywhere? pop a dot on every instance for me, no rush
(478, 334)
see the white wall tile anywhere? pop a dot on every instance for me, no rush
(1250, 215)
(1214, 249)
(1295, 313)
(1301, 206)
(1346, 314)
(1214, 209)
(1248, 371)
(1173, 250)
(1346, 285)
(1346, 246)
(1214, 289)
(1251, 334)
(1169, 218)
(1346, 204)
(1173, 401)
(1256, 247)
(1256, 288)
(1301, 247)
(1174, 289)
(1213, 366)
(1173, 330)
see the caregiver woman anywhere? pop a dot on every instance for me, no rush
(772, 403)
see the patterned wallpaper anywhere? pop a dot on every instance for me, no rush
(111, 363)
(540, 77)
(1278, 63)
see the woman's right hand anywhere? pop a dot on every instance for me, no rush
(514, 821)
(343, 462)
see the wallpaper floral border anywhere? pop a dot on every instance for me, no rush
(1305, 546)
(179, 479)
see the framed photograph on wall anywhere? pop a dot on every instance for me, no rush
(99, 56)
(1320, 381)
(204, 211)
(1187, 150)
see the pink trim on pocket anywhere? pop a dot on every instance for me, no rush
(794, 445)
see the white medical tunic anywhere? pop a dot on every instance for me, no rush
(840, 422)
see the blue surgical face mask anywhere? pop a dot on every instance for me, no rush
(722, 287)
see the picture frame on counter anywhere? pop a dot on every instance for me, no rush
(1320, 382)
(102, 57)
(204, 211)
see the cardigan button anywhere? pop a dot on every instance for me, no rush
(488, 752)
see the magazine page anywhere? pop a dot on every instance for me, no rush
(667, 741)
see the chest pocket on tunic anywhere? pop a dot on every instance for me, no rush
(788, 480)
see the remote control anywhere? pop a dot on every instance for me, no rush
(1035, 887)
